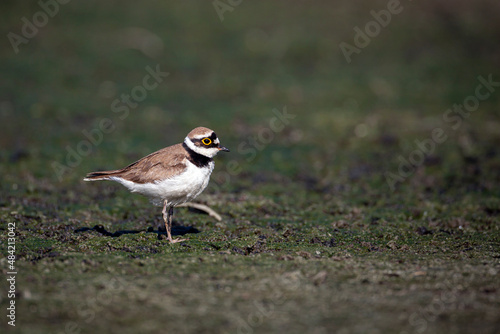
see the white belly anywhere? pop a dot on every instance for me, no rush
(176, 190)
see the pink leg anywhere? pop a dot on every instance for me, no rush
(167, 218)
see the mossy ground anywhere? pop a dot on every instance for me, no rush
(313, 239)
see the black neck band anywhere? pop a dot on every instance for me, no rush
(197, 159)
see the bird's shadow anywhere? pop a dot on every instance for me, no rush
(176, 230)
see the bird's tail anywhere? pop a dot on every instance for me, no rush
(97, 176)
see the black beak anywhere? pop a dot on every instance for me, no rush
(222, 148)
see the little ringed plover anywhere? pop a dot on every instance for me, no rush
(172, 175)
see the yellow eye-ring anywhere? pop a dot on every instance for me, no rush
(207, 141)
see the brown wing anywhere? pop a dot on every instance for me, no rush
(159, 165)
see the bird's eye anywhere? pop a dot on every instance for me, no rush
(206, 141)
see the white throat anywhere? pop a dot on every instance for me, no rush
(207, 152)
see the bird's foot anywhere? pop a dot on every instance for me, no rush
(173, 241)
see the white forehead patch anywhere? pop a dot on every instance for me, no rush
(208, 134)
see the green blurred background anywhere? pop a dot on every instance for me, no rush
(231, 74)
(353, 121)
